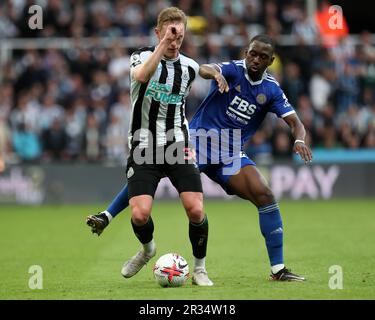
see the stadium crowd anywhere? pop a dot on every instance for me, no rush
(73, 104)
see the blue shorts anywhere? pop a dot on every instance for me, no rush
(220, 170)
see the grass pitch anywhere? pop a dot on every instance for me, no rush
(79, 265)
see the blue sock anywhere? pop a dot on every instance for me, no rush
(271, 227)
(120, 203)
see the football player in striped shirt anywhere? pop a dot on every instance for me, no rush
(161, 78)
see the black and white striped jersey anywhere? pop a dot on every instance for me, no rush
(158, 106)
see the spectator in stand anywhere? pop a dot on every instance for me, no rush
(49, 112)
(54, 141)
(321, 87)
(26, 143)
(74, 129)
(369, 139)
(122, 110)
(92, 143)
(116, 141)
(292, 82)
(25, 113)
(329, 136)
(281, 145)
(348, 88)
(259, 148)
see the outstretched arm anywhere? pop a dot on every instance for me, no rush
(210, 71)
(299, 133)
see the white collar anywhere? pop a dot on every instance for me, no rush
(170, 60)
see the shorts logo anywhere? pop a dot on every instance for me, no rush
(261, 98)
(130, 173)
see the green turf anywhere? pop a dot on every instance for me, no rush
(79, 265)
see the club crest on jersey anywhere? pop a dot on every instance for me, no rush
(261, 98)
(238, 88)
(185, 75)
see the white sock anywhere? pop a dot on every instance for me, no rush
(276, 268)
(109, 216)
(199, 263)
(150, 247)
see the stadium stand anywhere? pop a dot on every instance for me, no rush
(68, 100)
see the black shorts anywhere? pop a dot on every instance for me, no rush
(144, 178)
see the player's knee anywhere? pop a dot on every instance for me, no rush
(195, 212)
(268, 194)
(140, 214)
(139, 219)
(264, 196)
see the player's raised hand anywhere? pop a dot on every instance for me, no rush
(173, 32)
(303, 151)
(221, 82)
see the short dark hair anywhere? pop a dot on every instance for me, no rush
(265, 39)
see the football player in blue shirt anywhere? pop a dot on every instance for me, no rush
(240, 96)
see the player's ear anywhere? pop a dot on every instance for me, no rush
(157, 32)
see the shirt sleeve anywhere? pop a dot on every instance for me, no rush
(135, 59)
(138, 57)
(228, 70)
(280, 104)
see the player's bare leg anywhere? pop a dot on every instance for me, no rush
(249, 184)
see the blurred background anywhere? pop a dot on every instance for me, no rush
(65, 107)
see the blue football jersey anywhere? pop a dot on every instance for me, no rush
(243, 108)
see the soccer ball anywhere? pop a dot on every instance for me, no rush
(171, 270)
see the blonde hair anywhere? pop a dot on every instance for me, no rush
(171, 14)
